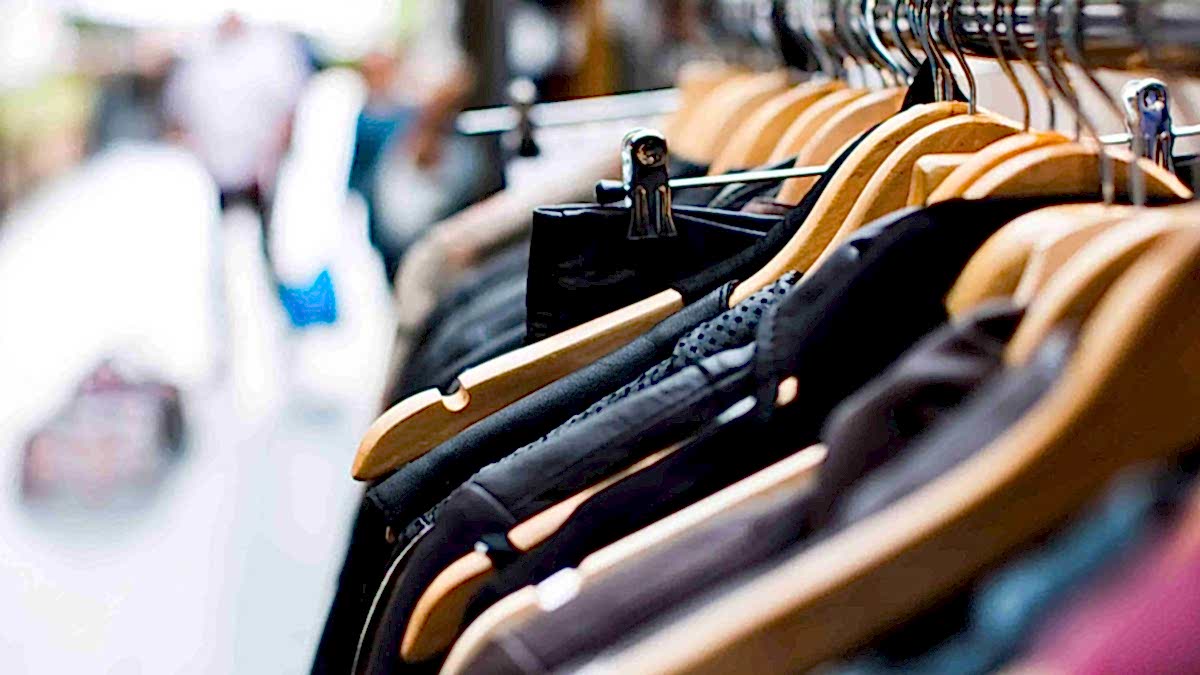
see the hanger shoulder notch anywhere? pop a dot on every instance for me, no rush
(1128, 395)
(421, 422)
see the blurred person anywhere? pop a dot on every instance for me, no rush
(231, 102)
(411, 100)
(381, 118)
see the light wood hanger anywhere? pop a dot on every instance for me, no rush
(753, 141)
(695, 81)
(792, 473)
(887, 190)
(804, 126)
(1069, 169)
(438, 614)
(986, 159)
(1080, 284)
(843, 126)
(684, 142)
(724, 110)
(995, 270)
(424, 420)
(1128, 395)
(931, 171)
(1078, 225)
(829, 212)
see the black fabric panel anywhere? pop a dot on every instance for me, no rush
(476, 325)
(582, 265)
(427, 559)
(365, 558)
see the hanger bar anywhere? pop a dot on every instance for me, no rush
(1124, 138)
(748, 177)
(501, 119)
(613, 191)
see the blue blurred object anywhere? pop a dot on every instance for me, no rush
(312, 305)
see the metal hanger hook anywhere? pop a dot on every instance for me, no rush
(949, 11)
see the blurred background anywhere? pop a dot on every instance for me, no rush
(201, 207)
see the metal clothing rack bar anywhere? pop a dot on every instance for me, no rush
(1124, 138)
(633, 105)
(766, 176)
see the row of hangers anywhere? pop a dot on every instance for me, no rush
(1126, 397)
(812, 120)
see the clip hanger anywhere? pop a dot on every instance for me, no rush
(1148, 119)
(646, 186)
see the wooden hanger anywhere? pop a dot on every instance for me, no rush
(843, 126)
(683, 140)
(986, 159)
(724, 110)
(695, 81)
(1078, 224)
(1128, 395)
(1081, 282)
(438, 614)
(887, 190)
(791, 473)
(996, 269)
(829, 212)
(1069, 169)
(424, 420)
(805, 126)
(931, 171)
(751, 144)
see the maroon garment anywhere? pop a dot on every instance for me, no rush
(1144, 619)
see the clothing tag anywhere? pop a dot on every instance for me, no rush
(498, 548)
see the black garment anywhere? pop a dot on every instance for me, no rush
(710, 559)
(366, 557)
(492, 313)
(864, 431)
(844, 323)
(583, 265)
(420, 484)
(512, 262)
(681, 391)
